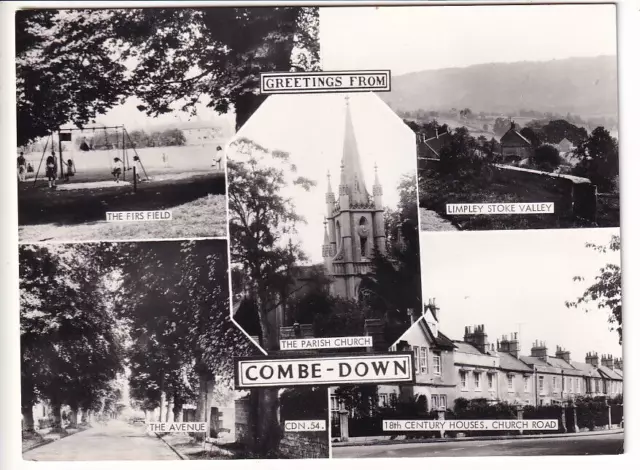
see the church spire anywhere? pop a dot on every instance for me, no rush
(352, 168)
(377, 189)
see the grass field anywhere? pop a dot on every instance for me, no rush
(188, 185)
(204, 217)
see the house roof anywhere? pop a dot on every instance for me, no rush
(512, 136)
(433, 145)
(610, 373)
(566, 367)
(442, 341)
(587, 369)
(508, 362)
(540, 365)
(467, 348)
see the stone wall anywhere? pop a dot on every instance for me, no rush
(572, 195)
(305, 445)
(243, 421)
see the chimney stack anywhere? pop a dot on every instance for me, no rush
(477, 337)
(539, 350)
(509, 345)
(562, 354)
(617, 363)
(431, 304)
(607, 361)
(592, 358)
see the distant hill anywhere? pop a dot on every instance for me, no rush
(581, 85)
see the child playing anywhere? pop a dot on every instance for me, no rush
(52, 170)
(117, 169)
(22, 167)
(71, 169)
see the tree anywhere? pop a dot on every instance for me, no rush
(169, 58)
(502, 125)
(181, 325)
(74, 58)
(459, 156)
(606, 291)
(546, 158)
(559, 129)
(260, 220)
(535, 136)
(71, 343)
(599, 160)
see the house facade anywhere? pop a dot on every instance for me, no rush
(474, 368)
(515, 146)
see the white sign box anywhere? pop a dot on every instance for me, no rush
(325, 82)
(326, 343)
(391, 367)
(177, 427)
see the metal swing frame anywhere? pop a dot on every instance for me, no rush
(125, 156)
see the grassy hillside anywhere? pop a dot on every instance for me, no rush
(585, 86)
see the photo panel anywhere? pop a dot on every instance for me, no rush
(528, 345)
(323, 224)
(121, 144)
(518, 133)
(226, 217)
(119, 350)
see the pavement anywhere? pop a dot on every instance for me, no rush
(600, 444)
(115, 440)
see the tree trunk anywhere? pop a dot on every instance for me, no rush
(269, 337)
(28, 423)
(163, 404)
(206, 383)
(268, 430)
(56, 417)
(177, 409)
(85, 417)
(245, 105)
(169, 415)
(73, 418)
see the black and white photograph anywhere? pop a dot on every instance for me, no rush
(323, 220)
(513, 108)
(533, 334)
(276, 231)
(117, 336)
(120, 112)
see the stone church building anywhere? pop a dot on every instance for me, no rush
(354, 225)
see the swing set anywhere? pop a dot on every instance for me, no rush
(64, 135)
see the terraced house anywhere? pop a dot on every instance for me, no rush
(473, 368)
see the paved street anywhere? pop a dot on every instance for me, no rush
(114, 441)
(575, 445)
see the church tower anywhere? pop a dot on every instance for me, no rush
(354, 224)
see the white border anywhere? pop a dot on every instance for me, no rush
(629, 78)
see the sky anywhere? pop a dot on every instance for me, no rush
(311, 128)
(409, 39)
(518, 281)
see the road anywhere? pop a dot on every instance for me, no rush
(114, 441)
(574, 445)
